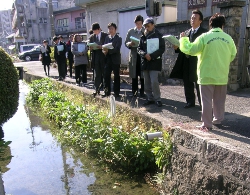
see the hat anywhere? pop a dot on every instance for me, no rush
(148, 20)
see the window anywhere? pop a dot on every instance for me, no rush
(63, 22)
(80, 23)
(43, 20)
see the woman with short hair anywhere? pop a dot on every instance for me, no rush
(80, 52)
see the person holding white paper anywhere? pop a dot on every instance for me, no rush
(46, 60)
(113, 61)
(134, 58)
(69, 54)
(60, 57)
(186, 65)
(98, 58)
(151, 61)
(80, 52)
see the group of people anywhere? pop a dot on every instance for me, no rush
(203, 62)
(141, 64)
(64, 51)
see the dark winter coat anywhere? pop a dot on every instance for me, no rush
(46, 60)
(156, 57)
(186, 66)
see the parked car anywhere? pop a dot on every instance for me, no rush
(32, 54)
(27, 47)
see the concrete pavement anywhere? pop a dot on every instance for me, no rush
(234, 130)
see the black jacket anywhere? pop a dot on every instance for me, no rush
(156, 57)
(114, 55)
(186, 66)
(97, 56)
(46, 60)
(60, 56)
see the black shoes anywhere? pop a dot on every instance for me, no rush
(148, 103)
(159, 104)
(117, 95)
(96, 93)
(105, 95)
(188, 105)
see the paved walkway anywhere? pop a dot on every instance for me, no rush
(234, 131)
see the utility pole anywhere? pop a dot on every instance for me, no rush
(51, 17)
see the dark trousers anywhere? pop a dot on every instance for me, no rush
(98, 70)
(81, 73)
(44, 67)
(107, 78)
(71, 61)
(189, 92)
(61, 69)
(135, 80)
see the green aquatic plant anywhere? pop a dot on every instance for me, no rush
(84, 122)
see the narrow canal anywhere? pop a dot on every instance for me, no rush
(42, 166)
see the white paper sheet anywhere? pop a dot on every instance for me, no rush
(60, 47)
(135, 41)
(108, 46)
(93, 45)
(81, 47)
(172, 39)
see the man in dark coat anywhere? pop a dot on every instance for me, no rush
(186, 66)
(70, 55)
(150, 49)
(60, 57)
(98, 58)
(113, 61)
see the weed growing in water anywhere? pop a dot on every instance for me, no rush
(84, 122)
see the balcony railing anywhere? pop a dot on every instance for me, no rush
(77, 30)
(62, 30)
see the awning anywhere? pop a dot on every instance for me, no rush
(12, 47)
(10, 36)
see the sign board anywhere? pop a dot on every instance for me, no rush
(196, 3)
(192, 4)
(19, 39)
(215, 2)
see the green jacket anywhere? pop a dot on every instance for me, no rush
(214, 50)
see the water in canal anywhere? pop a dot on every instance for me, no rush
(42, 166)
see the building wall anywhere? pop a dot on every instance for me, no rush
(72, 27)
(6, 21)
(106, 12)
(113, 11)
(185, 7)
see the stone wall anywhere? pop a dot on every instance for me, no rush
(233, 12)
(204, 165)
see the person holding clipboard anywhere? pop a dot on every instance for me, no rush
(60, 57)
(150, 49)
(80, 52)
(45, 53)
(131, 43)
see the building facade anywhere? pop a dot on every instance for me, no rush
(5, 27)
(207, 7)
(123, 12)
(70, 21)
(30, 21)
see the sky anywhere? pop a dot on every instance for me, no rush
(5, 4)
